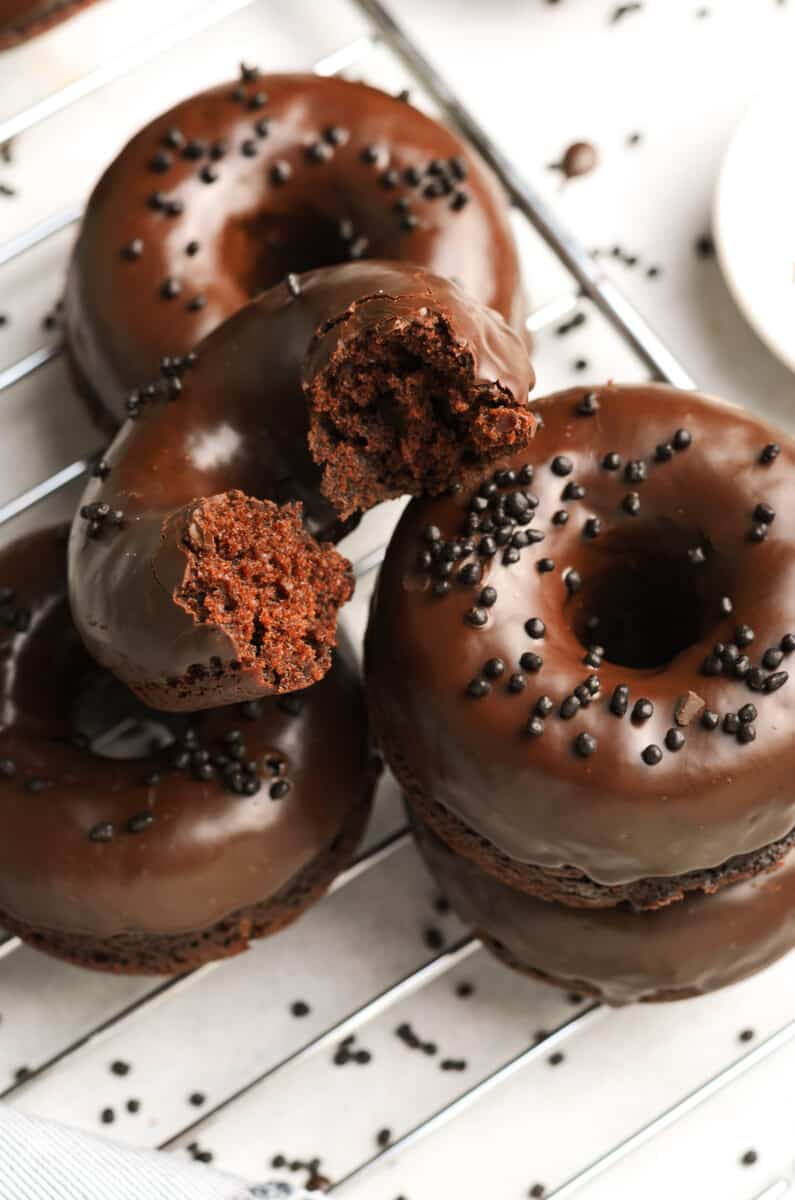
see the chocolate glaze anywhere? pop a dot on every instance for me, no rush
(537, 799)
(21, 19)
(239, 421)
(687, 949)
(344, 148)
(565, 885)
(208, 851)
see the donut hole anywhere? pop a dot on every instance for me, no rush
(254, 572)
(399, 409)
(111, 722)
(260, 250)
(87, 705)
(644, 601)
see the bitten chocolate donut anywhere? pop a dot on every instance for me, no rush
(339, 388)
(136, 843)
(620, 955)
(593, 701)
(22, 19)
(240, 185)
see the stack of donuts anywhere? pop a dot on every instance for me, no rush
(257, 309)
(591, 715)
(291, 299)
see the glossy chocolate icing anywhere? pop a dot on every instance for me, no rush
(240, 421)
(209, 851)
(324, 180)
(537, 799)
(21, 19)
(687, 949)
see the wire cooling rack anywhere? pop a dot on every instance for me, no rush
(71, 1043)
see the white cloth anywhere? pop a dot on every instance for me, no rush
(43, 1161)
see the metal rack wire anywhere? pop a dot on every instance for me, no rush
(590, 286)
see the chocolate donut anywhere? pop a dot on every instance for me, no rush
(22, 19)
(176, 577)
(620, 955)
(594, 703)
(234, 188)
(134, 843)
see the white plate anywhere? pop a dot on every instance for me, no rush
(754, 219)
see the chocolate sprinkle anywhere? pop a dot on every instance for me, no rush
(585, 744)
(635, 471)
(102, 832)
(573, 581)
(133, 250)
(280, 172)
(643, 710)
(139, 822)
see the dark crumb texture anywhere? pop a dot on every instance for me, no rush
(401, 411)
(172, 954)
(255, 573)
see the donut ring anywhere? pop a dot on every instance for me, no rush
(167, 859)
(180, 583)
(237, 186)
(615, 712)
(687, 949)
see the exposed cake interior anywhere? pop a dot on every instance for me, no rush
(254, 571)
(399, 410)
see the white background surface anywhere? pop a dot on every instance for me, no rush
(540, 76)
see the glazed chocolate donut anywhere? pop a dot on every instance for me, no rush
(686, 949)
(404, 382)
(594, 702)
(134, 843)
(22, 19)
(234, 188)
